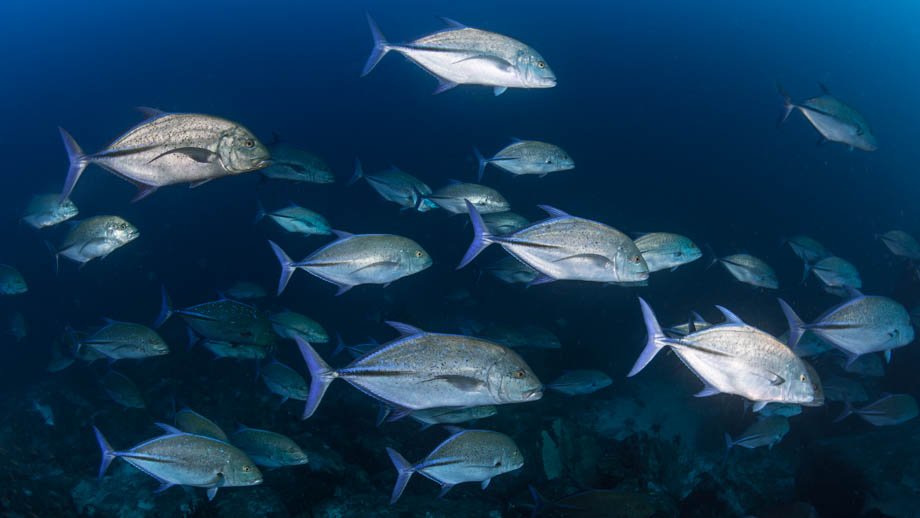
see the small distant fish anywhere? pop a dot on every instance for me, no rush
(809, 250)
(504, 223)
(427, 370)
(284, 381)
(527, 157)
(861, 325)
(11, 281)
(509, 269)
(192, 422)
(837, 388)
(356, 350)
(222, 349)
(61, 355)
(834, 120)
(398, 187)
(297, 219)
(125, 340)
(694, 324)
(892, 409)
(465, 456)
(46, 210)
(296, 165)
(96, 237)
(245, 290)
(750, 270)
(579, 382)
(766, 431)
(780, 409)
(452, 415)
(663, 251)
(809, 344)
(454, 198)
(565, 247)
(268, 449)
(525, 336)
(901, 244)
(355, 259)
(837, 274)
(122, 390)
(179, 458)
(223, 320)
(45, 411)
(171, 148)
(17, 326)
(464, 55)
(289, 324)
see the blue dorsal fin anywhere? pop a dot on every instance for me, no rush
(341, 234)
(240, 427)
(150, 113)
(516, 140)
(554, 212)
(453, 24)
(453, 429)
(168, 428)
(730, 318)
(109, 321)
(697, 318)
(404, 329)
(453, 181)
(853, 293)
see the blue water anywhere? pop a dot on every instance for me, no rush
(669, 109)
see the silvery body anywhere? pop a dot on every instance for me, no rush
(284, 381)
(267, 448)
(766, 431)
(809, 250)
(504, 223)
(579, 382)
(229, 321)
(509, 269)
(529, 157)
(398, 187)
(901, 244)
(45, 210)
(835, 272)
(835, 120)
(663, 250)
(190, 421)
(125, 340)
(289, 324)
(296, 165)
(453, 198)
(97, 237)
(750, 270)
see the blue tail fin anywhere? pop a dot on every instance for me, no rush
(260, 212)
(78, 163)
(481, 236)
(287, 266)
(404, 472)
(788, 105)
(381, 47)
(108, 454)
(655, 342)
(482, 164)
(796, 326)
(165, 308)
(359, 172)
(728, 441)
(320, 376)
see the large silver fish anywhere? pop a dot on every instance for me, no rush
(171, 148)
(766, 431)
(453, 198)
(45, 210)
(565, 247)
(891, 409)
(837, 274)
(463, 55)
(465, 456)
(296, 165)
(834, 120)
(427, 370)
(180, 458)
(663, 250)
(398, 187)
(750, 270)
(11, 281)
(735, 358)
(356, 259)
(527, 157)
(96, 237)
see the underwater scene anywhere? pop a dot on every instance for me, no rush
(459, 259)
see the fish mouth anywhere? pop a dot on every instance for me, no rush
(263, 163)
(533, 395)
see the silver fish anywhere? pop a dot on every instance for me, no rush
(509, 269)
(179, 458)
(223, 320)
(427, 370)
(565, 247)
(504, 223)
(285, 382)
(289, 324)
(694, 324)
(809, 344)
(861, 325)
(46, 210)
(122, 390)
(523, 157)
(192, 422)
(892, 409)
(267, 448)
(867, 365)
(579, 382)
(222, 349)
(11, 281)
(750, 270)
(780, 409)
(171, 148)
(766, 431)
(296, 165)
(663, 250)
(735, 358)
(901, 244)
(834, 120)
(125, 340)
(465, 456)
(809, 250)
(453, 198)
(398, 187)
(452, 415)
(355, 259)
(837, 388)
(463, 55)
(245, 290)
(522, 336)
(96, 237)
(837, 273)
(297, 219)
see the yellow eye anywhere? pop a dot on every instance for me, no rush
(249, 142)
(636, 259)
(802, 377)
(519, 374)
(419, 253)
(541, 64)
(246, 468)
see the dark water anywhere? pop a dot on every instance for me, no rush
(669, 110)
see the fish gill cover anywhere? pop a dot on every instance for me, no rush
(612, 176)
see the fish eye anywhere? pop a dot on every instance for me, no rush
(541, 64)
(419, 253)
(498, 463)
(519, 374)
(246, 468)
(249, 142)
(801, 377)
(636, 259)
(549, 160)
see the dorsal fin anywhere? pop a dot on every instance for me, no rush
(404, 329)
(853, 293)
(168, 428)
(149, 112)
(824, 89)
(453, 24)
(730, 318)
(515, 140)
(341, 234)
(554, 212)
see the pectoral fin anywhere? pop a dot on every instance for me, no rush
(594, 260)
(201, 155)
(464, 383)
(495, 61)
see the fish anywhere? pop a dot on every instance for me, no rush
(696, 323)
(45, 411)
(355, 259)
(834, 120)
(522, 336)
(16, 325)
(122, 390)
(268, 449)
(356, 350)
(780, 409)
(868, 365)
(565, 247)
(901, 244)
(663, 250)
(736, 358)
(96, 238)
(453, 198)
(284, 381)
(11, 281)
(296, 165)
(289, 324)
(838, 388)
(837, 274)
(245, 290)
(809, 344)
(512, 271)
(807, 249)
(504, 223)
(452, 415)
(580, 382)
(61, 355)
(891, 409)
(171, 148)
(125, 341)
(47, 210)
(861, 325)
(223, 320)
(222, 349)
(766, 431)
(463, 55)
(750, 270)
(192, 422)
(179, 458)
(397, 186)
(527, 157)
(297, 220)
(426, 370)
(465, 456)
